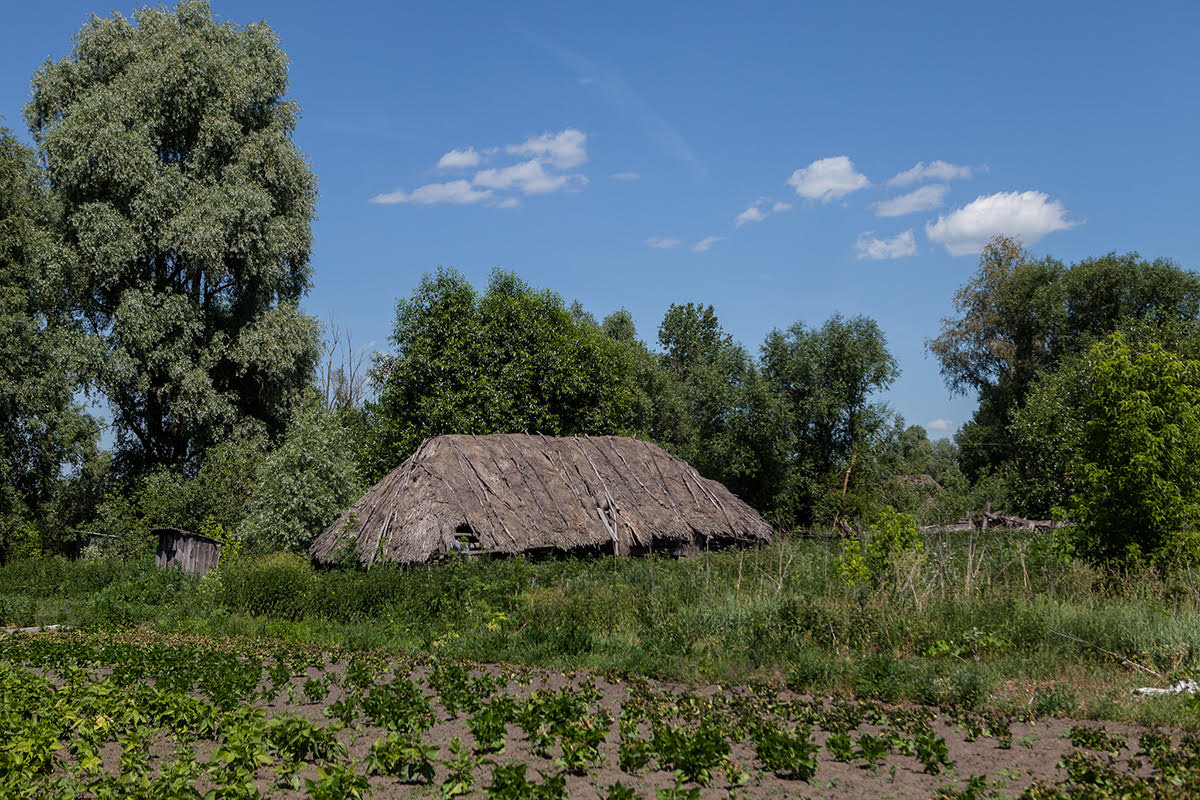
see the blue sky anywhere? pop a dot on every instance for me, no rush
(781, 161)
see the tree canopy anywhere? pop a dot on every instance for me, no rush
(1114, 439)
(827, 377)
(185, 211)
(1019, 317)
(42, 353)
(508, 360)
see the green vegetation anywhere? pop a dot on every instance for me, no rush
(509, 359)
(1122, 443)
(145, 715)
(979, 621)
(1021, 317)
(154, 249)
(159, 262)
(184, 218)
(42, 359)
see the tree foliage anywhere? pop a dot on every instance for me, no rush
(827, 376)
(1019, 317)
(508, 360)
(730, 423)
(42, 353)
(185, 209)
(1117, 434)
(305, 483)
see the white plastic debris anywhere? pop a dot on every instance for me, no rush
(1179, 687)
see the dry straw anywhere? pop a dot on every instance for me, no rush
(514, 493)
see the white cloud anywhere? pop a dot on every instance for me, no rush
(459, 192)
(828, 179)
(922, 199)
(937, 171)
(752, 214)
(625, 176)
(663, 243)
(780, 207)
(705, 244)
(542, 173)
(940, 425)
(899, 246)
(1026, 215)
(529, 177)
(459, 159)
(564, 150)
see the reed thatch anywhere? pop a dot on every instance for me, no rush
(515, 493)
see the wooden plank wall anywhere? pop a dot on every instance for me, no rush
(191, 552)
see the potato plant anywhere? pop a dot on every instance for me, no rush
(140, 715)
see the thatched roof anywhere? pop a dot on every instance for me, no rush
(513, 493)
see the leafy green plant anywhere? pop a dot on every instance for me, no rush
(693, 753)
(932, 751)
(872, 748)
(461, 767)
(790, 754)
(633, 752)
(840, 746)
(337, 781)
(619, 791)
(894, 533)
(973, 644)
(296, 739)
(315, 690)
(509, 783)
(489, 725)
(581, 742)
(1096, 738)
(399, 706)
(402, 756)
(344, 711)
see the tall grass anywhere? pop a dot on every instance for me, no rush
(994, 609)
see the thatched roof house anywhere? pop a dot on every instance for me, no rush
(514, 493)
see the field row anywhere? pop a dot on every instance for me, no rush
(141, 715)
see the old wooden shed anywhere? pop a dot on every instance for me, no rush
(192, 552)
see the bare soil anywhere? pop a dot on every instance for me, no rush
(1034, 753)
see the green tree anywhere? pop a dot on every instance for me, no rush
(827, 377)
(710, 370)
(726, 419)
(42, 356)
(1116, 435)
(304, 484)
(186, 208)
(509, 360)
(658, 405)
(1019, 317)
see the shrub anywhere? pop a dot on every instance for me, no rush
(880, 677)
(1119, 431)
(276, 585)
(892, 535)
(306, 483)
(811, 668)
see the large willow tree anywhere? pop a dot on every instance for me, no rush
(41, 354)
(186, 208)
